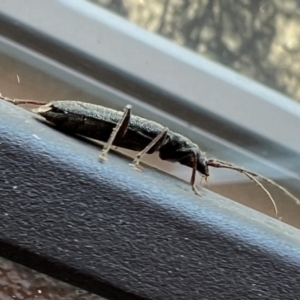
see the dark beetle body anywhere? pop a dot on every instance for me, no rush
(97, 122)
(134, 133)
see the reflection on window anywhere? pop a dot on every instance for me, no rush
(260, 39)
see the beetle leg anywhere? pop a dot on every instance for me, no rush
(194, 172)
(117, 132)
(156, 143)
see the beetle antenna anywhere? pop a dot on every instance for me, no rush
(223, 164)
(251, 177)
(22, 101)
(203, 177)
(216, 163)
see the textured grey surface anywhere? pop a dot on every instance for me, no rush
(130, 235)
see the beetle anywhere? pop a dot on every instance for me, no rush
(122, 129)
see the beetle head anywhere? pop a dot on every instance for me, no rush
(202, 166)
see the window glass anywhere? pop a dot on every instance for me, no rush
(259, 39)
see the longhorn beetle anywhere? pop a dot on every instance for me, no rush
(122, 129)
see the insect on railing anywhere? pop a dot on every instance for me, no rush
(131, 132)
